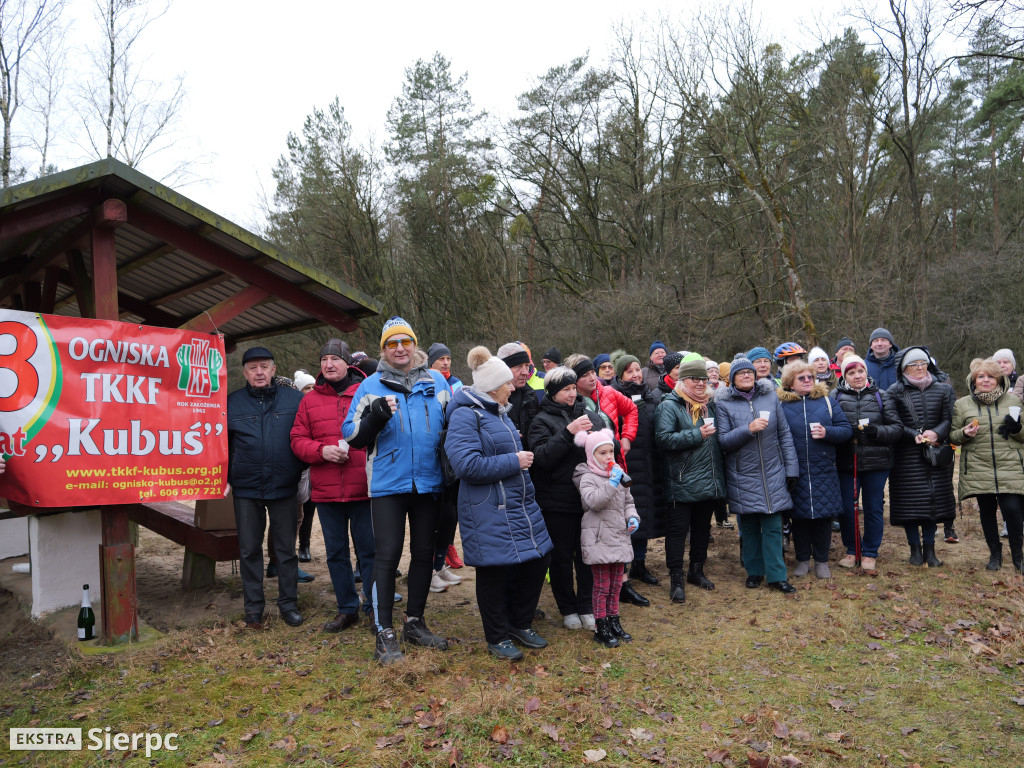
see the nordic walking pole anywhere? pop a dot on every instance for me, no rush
(856, 507)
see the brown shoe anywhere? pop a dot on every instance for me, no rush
(341, 621)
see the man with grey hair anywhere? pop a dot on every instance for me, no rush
(523, 402)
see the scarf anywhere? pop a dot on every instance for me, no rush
(698, 405)
(922, 383)
(987, 398)
(403, 379)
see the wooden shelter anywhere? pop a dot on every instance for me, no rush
(105, 241)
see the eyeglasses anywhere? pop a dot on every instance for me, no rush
(806, 377)
(393, 343)
(696, 378)
(916, 365)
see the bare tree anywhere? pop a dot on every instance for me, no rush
(22, 24)
(44, 101)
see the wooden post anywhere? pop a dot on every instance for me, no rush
(117, 554)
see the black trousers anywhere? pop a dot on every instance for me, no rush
(251, 517)
(306, 524)
(389, 516)
(566, 558)
(447, 522)
(507, 596)
(812, 537)
(1013, 514)
(693, 519)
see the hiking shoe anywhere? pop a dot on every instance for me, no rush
(416, 632)
(341, 621)
(387, 650)
(452, 558)
(572, 621)
(727, 523)
(505, 650)
(867, 563)
(587, 619)
(848, 561)
(527, 638)
(305, 578)
(446, 574)
(437, 583)
(951, 537)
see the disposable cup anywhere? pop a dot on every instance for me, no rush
(815, 424)
(1015, 412)
(22, 568)
(343, 444)
(766, 414)
(863, 422)
(709, 422)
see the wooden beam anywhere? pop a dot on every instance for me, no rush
(81, 283)
(44, 259)
(225, 260)
(194, 287)
(33, 294)
(129, 304)
(227, 310)
(56, 211)
(50, 283)
(106, 218)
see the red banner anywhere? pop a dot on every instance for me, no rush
(100, 412)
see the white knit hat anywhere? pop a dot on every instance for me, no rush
(815, 353)
(489, 372)
(1005, 354)
(302, 380)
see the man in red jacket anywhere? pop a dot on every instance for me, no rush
(337, 476)
(619, 410)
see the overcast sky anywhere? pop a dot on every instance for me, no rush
(253, 70)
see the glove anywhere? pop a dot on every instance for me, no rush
(1012, 426)
(616, 476)
(791, 483)
(380, 409)
(871, 430)
(632, 524)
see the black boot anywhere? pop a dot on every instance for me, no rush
(629, 595)
(638, 570)
(995, 561)
(929, 556)
(697, 578)
(617, 630)
(1018, 559)
(916, 558)
(603, 633)
(678, 589)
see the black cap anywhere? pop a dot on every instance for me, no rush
(256, 353)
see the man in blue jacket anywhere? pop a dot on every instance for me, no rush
(881, 359)
(397, 414)
(263, 474)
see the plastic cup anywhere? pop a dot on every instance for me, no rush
(1015, 412)
(862, 423)
(815, 424)
(21, 568)
(343, 444)
(709, 422)
(766, 415)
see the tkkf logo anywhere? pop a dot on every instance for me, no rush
(200, 368)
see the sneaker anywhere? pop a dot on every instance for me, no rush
(726, 524)
(398, 597)
(527, 638)
(867, 563)
(447, 575)
(951, 537)
(835, 526)
(848, 561)
(416, 632)
(305, 578)
(437, 583)
(572, 621)
(588, 622)
(505, 650)
(452, 558)
(387, 650)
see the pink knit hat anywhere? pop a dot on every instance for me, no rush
(591, 441)
(851, 360)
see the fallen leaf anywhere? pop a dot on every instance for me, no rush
(1019, 701)
(790, 761)
(453, 757)
(551, 731)
(499, 735)
(215, 723)
(780, 730)
(874, 646)
(717, 755)
(754, 760)
(246, 737)
(839, 737)
(594, 755)
(908, 730)
(801, 735)
(837, 704)
(389, 741)
(288, 743)
(641, 734)
(706, 727)
(607, 723)
(532, 705)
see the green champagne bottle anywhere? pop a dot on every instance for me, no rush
(86, 618)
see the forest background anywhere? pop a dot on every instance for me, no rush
(702, 185)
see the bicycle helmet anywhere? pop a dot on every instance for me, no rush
(788, 349)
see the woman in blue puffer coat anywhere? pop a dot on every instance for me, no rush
(817, 425)
(503, 531)
(760, 464)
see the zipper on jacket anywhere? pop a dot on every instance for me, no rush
(522, 479)
(807, 442)
(760, 458)
(992, 446)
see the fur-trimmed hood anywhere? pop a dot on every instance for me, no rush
(820, 389)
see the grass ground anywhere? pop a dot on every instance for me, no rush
(907, 667)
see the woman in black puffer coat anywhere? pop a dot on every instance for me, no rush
(920, 495)
(644, 466)
(555, 456)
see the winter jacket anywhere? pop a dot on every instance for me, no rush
(873, 453)
(555, 456)
(692, 464)
(643, 462)
(885, 372)
(653, 374)
(817, 494)
(499, 520)
(989, 462)
(604, 534)
(756, 464)
(261, 464)
(523, 406)
(918, 492)
(318, 423)
(619, 409)
(402, 455)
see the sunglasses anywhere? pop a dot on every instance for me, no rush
(806, 377)
(393, 343)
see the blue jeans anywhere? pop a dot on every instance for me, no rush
(335, 519)
(872, 490)
(762, 546)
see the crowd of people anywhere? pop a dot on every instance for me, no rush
(565, 474)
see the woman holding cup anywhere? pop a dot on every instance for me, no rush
(865, 460)
(684, 429)
(817, 425)
(987, 426)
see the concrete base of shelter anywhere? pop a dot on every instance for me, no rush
(13, 537)
(64, 552)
